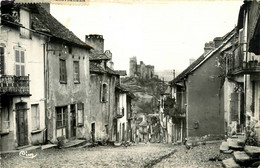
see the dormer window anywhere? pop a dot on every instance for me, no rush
(25, 20)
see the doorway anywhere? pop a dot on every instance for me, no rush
(72, 120)
(22, 124)
(93, 132)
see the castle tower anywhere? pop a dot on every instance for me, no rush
(132, 66)
(95, 41)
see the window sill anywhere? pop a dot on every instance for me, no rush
(80, 125)
(76, 82)
(61, 127)
(63, 82)
(36, 131)
(4, 133)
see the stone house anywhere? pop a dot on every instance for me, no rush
(172, 126)
(198, 91)
(106, 109)
(66, 60)
(22, 74)
(124, 125)
(242, 69)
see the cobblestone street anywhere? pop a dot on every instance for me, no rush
(141, 155)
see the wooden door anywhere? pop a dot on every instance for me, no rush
(93, 132)
(22, 124)
(73, 120)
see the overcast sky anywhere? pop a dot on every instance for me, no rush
(165, 35)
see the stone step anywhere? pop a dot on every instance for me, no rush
(224, 146)
(48, 146)
(234, 144)
(241, 157)
(75, 143)
(230, 163)
(253, 151)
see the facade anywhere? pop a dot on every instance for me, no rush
(22, 103)
(141, 70)
(124, 123)
(66, 79)
(103, 82)
(172, 124)
(198, 91)
(242, 65)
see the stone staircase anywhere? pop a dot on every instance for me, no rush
(242, 155)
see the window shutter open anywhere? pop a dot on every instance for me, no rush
(2, 61)
(234, 107)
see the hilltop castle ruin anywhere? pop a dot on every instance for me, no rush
(141, 70)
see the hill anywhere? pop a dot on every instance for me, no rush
(147, 93)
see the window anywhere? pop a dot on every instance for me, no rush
(61, 116)
(104, 92)
(106, 128)
(123, 111)
(63, 71)
(25, 20)
(2, 61)
(76, 71)
(80, 113)
(35, 116)
(4, 118)
(19, 63)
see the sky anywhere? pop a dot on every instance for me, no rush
(165, 34)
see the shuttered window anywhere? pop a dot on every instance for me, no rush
(35, 116)
(234, 107)
(19, 63)
(2, 61)
(76, 71)
(63, 71)
(104, 92)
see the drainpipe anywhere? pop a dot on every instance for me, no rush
(46, 77)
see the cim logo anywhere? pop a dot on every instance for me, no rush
(24, 154)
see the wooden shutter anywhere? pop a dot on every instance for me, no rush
(80, 113)
(234, 107)
(2, 61)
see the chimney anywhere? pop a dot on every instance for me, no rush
(173, 73)
(191, 60)
(46, 6)
(95, 41)
(218, 41)
(208, 47)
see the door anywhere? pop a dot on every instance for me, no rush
(22, 124)
(123, 132)
(93, 132)
(72, 121)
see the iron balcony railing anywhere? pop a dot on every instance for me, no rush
(14, 85)
(236, 63)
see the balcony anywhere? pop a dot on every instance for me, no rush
(236, 63)
(14, 85)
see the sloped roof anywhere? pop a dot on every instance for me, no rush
(121, 72)
(96, 68)
(202, 58)
(111, 71)
(95, 57)
(44, 21)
